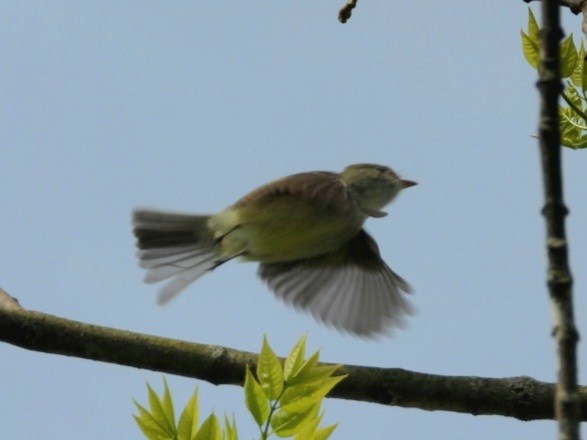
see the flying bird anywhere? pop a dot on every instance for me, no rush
(306, 231)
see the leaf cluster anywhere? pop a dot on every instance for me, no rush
(573, 68)
(158, 423)
(284, 399)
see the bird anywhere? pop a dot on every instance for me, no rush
(306, 232)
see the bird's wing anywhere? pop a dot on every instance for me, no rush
(353, 289)
(319, 186)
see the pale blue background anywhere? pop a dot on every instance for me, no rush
(106, 106)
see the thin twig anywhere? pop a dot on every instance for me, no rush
(346, 11)
(575, 6)
(567, 407)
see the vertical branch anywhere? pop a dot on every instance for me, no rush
(559, 276)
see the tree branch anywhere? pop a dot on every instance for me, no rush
(346, 11)
(576, 6)
(520, 397)
(560, 281)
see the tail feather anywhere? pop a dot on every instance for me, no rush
(179, 257)
(173, 246)
(184, 278)
(172, 267)
(155, 229)
(154, 254)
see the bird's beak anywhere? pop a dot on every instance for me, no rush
(407, 183)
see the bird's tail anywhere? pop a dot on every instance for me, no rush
(174, 247)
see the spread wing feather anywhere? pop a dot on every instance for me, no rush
(352, 290)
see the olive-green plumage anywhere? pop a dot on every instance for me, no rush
(306, 231)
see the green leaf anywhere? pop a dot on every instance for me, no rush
(311, 372)
(230, 429)
(577, 76)
(583, 63)
(570, 134)
(531, 41)
(161, 413)
(300, 397)
(256, 399)
(533, 29)
(568, 56)
(149, 420)
(148, 425)
(305, 370)
(167, 404)
(309, 429)
(188, 421)
(324, 433)
(286, 424)
(319, 372)
(575, 143)
(270, 372)
(210, 429)
(531, 50)
(295, 359)
(573, 96)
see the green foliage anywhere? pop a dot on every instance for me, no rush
(573, 119)
(255, 399)
(531, 41)
(284, 399)
(158, 422)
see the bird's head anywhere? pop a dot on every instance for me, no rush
(373, 186)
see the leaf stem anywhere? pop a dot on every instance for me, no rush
(272, 409)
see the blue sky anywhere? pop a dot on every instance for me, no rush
(106, 106)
